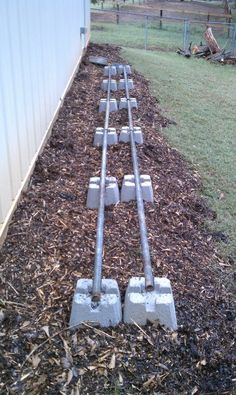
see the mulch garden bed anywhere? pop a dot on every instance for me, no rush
(51, 242)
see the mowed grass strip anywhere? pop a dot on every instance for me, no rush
(132, 34)
(201, 97)
(136, 33)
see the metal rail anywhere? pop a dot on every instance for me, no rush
(149, 280)
(97, 279)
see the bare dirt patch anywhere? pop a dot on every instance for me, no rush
(192, 10)
(51, 243)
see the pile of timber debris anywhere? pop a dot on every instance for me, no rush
(211, 50)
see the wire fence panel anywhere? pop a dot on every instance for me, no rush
(233, 40)
(162, 31)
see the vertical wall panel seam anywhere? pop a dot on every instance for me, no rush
(6, 138)
(16, 115)
(30, 77)
(23, 83)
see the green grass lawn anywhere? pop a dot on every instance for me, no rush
(170, 37)
(201, 97)
(134, 35)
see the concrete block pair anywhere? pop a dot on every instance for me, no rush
(112, 137)
(125, 135)
(121, 84)
(124, 103)
(112, 68)
(114, 86)
(140, 306)
(112, 195)
(117, 68)
(113, 104)
(120, 68)
(128, 191)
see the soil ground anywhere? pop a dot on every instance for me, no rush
(179, 8)
(51, 244)
(192, 10)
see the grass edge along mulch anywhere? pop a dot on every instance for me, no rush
(51, 243)
(204, 132)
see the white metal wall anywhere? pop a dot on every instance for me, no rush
(40, 46)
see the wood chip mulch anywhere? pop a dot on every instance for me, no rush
(50, 244)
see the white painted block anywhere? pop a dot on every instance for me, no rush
(105, 313)
(121, 84)
(112, 195)
(111, 137)
(124, 103)
(103, 105)
(106, 70)
(128, 191)
(113, 85)
(141, 305)
(120, 69)
(125, 135)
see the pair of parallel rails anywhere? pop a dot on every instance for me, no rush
(97, 277)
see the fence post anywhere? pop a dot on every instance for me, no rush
(185, 34)
(146, 33)
(233, 40)
(229, 22)
(117, 15)
(161, 15)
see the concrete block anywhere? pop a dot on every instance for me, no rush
(121, 84)
(112, 195)
(128, 191)
(124, 103)
(125, 135)
(105, 313)
(111, 137)
(103, 105)
(158, 304)
(106, 70)
(113, 85)
(120, 68)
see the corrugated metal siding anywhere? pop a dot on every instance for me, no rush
(40, 47)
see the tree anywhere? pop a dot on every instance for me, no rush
(226, 7)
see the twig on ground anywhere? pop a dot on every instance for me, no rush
(45, 342)
(144, 333)
(6, 302)
(98, 331)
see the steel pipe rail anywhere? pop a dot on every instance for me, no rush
(149, 279)
(97, 279)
